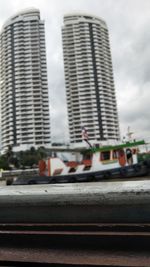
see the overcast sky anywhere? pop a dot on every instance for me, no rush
(129, 30)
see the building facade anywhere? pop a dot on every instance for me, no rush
(24, 99)
(90, 90)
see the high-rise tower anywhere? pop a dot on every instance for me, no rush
(23, 82)
(89, 79)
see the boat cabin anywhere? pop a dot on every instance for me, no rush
(93, 160)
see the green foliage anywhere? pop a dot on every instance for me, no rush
(4, 163)
(29, 160)
(31, 157)
(143, 156)
(22, 159)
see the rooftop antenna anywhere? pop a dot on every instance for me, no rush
(129, 134)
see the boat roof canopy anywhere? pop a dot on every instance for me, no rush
(120, 146)
(97, 149)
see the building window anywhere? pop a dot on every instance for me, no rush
(105, 155)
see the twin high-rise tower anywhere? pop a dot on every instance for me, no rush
(23, 82)
(90, 89)
(89, 78)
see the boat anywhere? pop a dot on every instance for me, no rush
(92, 164)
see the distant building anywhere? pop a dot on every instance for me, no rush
(89, 79)
(23, 82)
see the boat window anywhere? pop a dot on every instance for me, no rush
(87, 156)
(105, 155)
(115, 154)
(72, 169)
(86, 168)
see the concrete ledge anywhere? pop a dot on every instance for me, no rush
(127, 201)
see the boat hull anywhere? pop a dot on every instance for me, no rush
(136, 170)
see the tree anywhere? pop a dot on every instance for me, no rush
(41, 152)
(9, 153)
(32, 150)
(4, 163)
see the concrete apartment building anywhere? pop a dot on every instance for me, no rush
(90, 90)
(24, 100)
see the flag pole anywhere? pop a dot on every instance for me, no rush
(85, 136)
(88, 143)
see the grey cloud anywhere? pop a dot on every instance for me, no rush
(134, 111)
(128, 23)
